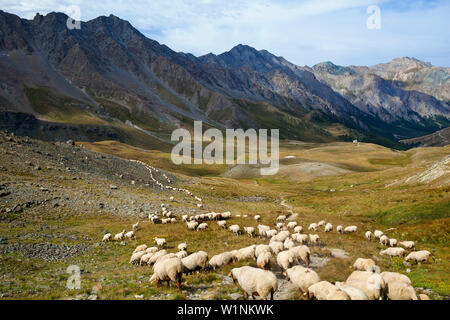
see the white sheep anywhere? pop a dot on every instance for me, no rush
(257, 218)
(146, 258)
(255, 282)
(371, 283)
(195, 261)
(119, 236)
(302, 278)
(271, 233)
(203, 226)
(321, 223)
(354, 293)
(222, 224)
(156, 256)
(328, 227)
(384, 240)
(418, 256)
(246, 253)
(235, 229)
(326, 291)
(182, 247)
(393, 242)
(391, 277)
(378, 234)
(364, 264)
(300, 238)
(160, 242)
(136, 226)
(136, 257)
(288, 244)
(280, 226)
(168, 270)
(142, 247)
(408, 244)
(291, 225)
(181, 254)
(130, 235)
(281, 218)
(369, 235)
(351, 229)
(250, 231)
(298, 229)
(151, 250)
(262, 230)
(340, 229)
(314, 239)
(264, 260)
(312, 227)
(192, 225)
(276, 247)
(221, 260)
(302, 254)
(281, 236)
(262, 248)
(393, 252)
(401, 291)
(285, 259)
(107, 237)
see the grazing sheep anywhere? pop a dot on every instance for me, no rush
(281, 236)
(262, 248)
(222, 224)
(281, 219)
(221, 260)
(288, 244)
(257, 218)
(130, 235)
(107, 237)
(246, 253)
(326, 291)
(408, 244)
(185, 218)
(393, 242)
(168, 270)
(181, 254)
(314, 239)
(371, 283)
(378, 234)
(203, 226)
(140, 248)
(119, 236)
(160, 242)
(291, 225)
(300, 238)
(393, 252)
(156, 256)
(182, 247)
(328, 227)
(391, 277)
(418, 256)
(194, 262)
(271, 233)
(255, 282)
(303, 278)
(264, 260)
(151, 250)
(280, 226)
(364, 264)
(340, 229)
(401, 291)
(146, 258)
(136, 226)
(276, 247)
(384, 240)
(136, 257)
(262, 230)
(302, 254)
(192, 225)
(354, 293)
(250, 231)
(298, 229)
(369, 235)
(235, 229)
(351, 229)
(285, 259)
(312, 227)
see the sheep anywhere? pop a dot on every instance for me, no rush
(246, 253)
(264, 260)
(314, 239)
(418, 256)
(182, 247)
(235, 229)
(401, 291)
(107, 237)
(288, 244)
(298, 229)
(151, 250)
(371, 283)
(262, 248)
(312, 227)
(300, 238)
(321, 223)
(393, 242)
(146, 258)
(393, 252)
(408, 244)
(285, 259)
(276, 247)
(168, 270)
(340, 229)
(281, 218)
(384, 240)
(391, 277)
(257, 218)
(271, 233)
(192, 225)
(160, 242)
(354, 293)
(302, 278)
(255, 282)
(369, 235)
(142, 247)
(221, 260)
(184, 218)
(364, 264)
(195, 261)
(328, 227)
(262, 230)
(156, 256)
(326, 291)
(202, 227)
(291, 225)
(280, 226)
(136, 257)
(250, 231)
(351, 229)
(423, 297)
(222, 224)
(181, 254)
(281, 236)
(130, 235)
(136, 226)
(119, 236)
(378, 234)
(302, 254)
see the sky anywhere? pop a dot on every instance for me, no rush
(304, 32)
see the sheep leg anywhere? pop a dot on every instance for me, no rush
(245, 295)
(254, 295)
(157, 283)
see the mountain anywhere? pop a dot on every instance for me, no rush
(108, 74)
(438, 139)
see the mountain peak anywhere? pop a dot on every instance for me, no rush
(330, 67)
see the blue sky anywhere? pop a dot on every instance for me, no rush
(303, 31)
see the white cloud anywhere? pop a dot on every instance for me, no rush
(305, 32)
